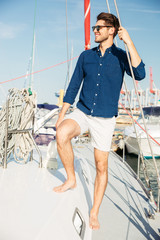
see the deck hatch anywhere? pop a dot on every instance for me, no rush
(79, 223)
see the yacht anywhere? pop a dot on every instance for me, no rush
(152, 119)
(30, 209)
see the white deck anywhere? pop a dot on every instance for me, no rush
(122, 213)
(30, 210)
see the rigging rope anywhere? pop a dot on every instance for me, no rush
(141, 155)
(135, 86)
(13, 79)
(20, 115)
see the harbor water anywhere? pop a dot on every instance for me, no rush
(132, 160)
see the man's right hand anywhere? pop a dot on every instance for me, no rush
(60, 119)
(62, 113)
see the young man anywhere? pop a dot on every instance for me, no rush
(101, 70)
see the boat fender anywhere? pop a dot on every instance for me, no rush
(121, 143)
(51, 158)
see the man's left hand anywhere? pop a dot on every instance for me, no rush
(123, 35)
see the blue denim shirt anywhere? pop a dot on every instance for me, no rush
(102, 78)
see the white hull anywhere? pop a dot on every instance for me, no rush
(153, 128)
(132, 146)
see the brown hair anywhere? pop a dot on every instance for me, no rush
(110, 19)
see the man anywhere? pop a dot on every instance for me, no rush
(101, 70)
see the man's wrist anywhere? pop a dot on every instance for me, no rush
(129, 43)
(61, 114)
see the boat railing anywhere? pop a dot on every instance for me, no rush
(149, 189)
(142, 158)
(42, 121)
(142, 114)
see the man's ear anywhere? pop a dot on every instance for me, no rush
(112, 30)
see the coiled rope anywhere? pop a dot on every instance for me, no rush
(21, 108)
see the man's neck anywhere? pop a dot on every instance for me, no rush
(104, 45)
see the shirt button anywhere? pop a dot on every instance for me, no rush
(94, 103)
(97, 84)
(96, 94)
(92, 111)
(100, 56)
(109, 52)
(100, 64)
(98, 74)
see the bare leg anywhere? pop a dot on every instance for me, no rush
(101, 161)
(65, 132)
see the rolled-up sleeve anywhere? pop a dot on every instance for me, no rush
(139, 71)
(75, 82)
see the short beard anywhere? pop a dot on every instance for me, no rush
(97, 41)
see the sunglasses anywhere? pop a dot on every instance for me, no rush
(98, 27)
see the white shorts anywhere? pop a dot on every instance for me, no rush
(101, 129)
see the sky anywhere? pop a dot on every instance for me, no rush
(140, 18)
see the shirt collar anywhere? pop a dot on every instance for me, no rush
(110, 49)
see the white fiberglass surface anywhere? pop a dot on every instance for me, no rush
(29, 207)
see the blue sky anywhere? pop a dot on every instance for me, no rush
(140, 18)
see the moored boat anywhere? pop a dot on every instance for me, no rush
(152, 118)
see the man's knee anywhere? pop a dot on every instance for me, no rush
(66, 131)
(102, 167)
(101, 160)
(61, 135)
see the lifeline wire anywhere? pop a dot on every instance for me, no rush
(132, 74)
(13, 79)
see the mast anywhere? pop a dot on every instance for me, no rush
(151, 81)
(87, 24)
(68, 77)
(122, 90)
(154, 91)
(33, 52)
(33, 59)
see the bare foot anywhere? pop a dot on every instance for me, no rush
(93, 222)
(65, 186)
